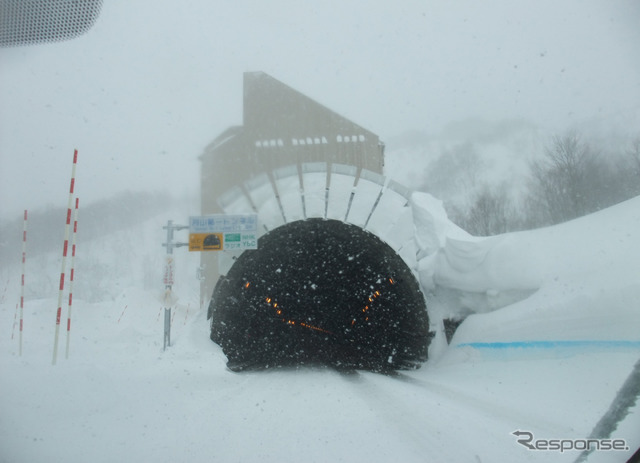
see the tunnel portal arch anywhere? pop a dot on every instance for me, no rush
(332, 281)
(314, 179)
(324, 292)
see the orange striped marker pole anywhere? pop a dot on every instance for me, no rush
(64, 257)
(73, 265)
(24, 260)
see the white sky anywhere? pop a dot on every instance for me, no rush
(154, 81)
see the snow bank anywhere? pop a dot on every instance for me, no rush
(120, 397)
(524, 262)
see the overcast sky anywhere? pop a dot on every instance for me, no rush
(143, 92)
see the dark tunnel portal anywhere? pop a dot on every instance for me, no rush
(320, 292)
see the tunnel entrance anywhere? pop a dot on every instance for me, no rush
(320, 292)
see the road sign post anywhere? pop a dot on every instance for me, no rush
(218, 232)
(168, 278)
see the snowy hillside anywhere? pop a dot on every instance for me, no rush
(457, 162)
(471, 156)
(550, 364)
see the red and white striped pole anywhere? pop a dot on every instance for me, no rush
(24, 259)
(73, 265)
(64, 257)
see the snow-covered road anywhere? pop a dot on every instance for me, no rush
(119, 397)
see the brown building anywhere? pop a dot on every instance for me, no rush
(281, 127)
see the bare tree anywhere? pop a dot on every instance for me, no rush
(563, 179)
(455, 173)
(490, 213)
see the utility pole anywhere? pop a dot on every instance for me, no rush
(168, 278)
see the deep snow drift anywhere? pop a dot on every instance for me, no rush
(571, 291)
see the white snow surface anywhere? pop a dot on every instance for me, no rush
(119, 397)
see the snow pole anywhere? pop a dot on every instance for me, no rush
(64, 257)
(123, 310)
(24, 259)
(4, 292)
(15, 321)
(187, 314)
(71, 274)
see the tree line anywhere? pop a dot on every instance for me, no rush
(571, 179)
(46, 225)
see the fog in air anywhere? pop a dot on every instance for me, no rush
(482, 306)
(152, 83)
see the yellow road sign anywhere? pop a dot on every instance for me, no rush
(206, 242)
